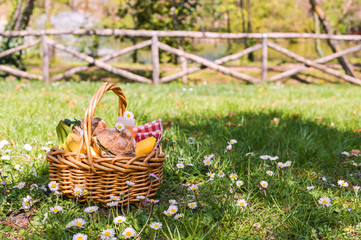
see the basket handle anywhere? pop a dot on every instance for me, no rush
(89, 115)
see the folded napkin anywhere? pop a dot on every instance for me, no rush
(147, 130)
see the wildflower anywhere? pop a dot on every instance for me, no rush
(233, 176)
(120, 126)
(345, 153)
(207, 161)
(190, 196)
(128, 114)
(151, 200)
(121, 194)
(232, 141)
(3, 143)
(211, 156)
(112, 204)
(21, 185)
(34, 172)
(242, 203)
(119, 219)
(325, 201)
(355, 164)
(79, 222)
(270, 173)
(107, 233)
(192, 205)
(18, 167)
(324, 179)
(178, 216)
(356, 188)
(28, 147)
(42, 187)
(342, 183)
(288, 163)
(91, 209)
(155, 225)
(231, 191)
(264, 184)
(45, 217)
(358, 225)
(34, 185)
(191, 140)
(192, 187)
(56, 209)
(280, 164)
(173, 202)
(229, 147)
(49, 143)
(70, 224)
(180, 165)
(265, 157)
(273, 158)
(172, 209)
(210, 179)
(248, 154)
(310, 188)
(210, 174)
(80, 236)
(5, 158)
(239, 183)
(221, 174)
(167, 213)
(27, 203)
(46, 149)
(78, 191)
(130, 183)
(53, 186)
(129, 232)
(154, 176)
(140, 197)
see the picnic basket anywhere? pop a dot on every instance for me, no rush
(105, 176)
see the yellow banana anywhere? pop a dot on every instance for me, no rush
(145, 146)
(73, 143)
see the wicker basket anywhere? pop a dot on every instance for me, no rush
(104, 176)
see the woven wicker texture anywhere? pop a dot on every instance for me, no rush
(103, 177)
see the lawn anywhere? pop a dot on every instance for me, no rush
(309, 125)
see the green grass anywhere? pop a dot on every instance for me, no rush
(309, 125)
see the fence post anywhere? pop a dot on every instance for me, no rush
(155, 58)
(183, 62)
(264, 57)
(45, 56)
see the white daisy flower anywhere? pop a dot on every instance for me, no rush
(114, 198)
(310, 188)
(34, 186)
(190, 196)
(269, 173)
(345, 153)
(231, 191)
(167, 213)
(248, 154)
(5, 158)
(324, 179)
(53, 186)
(119, 219)
(155, 225)
(190, 164)
(264, 184)
(210, 174)
(172, 209)
(355, 164)
(45, 217)
(180, 165)
(140, 197)
(70, 224)
(232, 141)
(34, 171)
(280, 164)
(358, 225)
(239, 183)
(229, 147)
(242, 203)
(42, 187)
(107, 233)
(79, 222)
(273, 158)
(18, 167)
(265, 157)
(78, 191)
(128, 114)
(80, 236)
(193, 187)
(325, 201)
(211, 156)
(27, 203)
(129, 232)
(178, 216)
(221, 174)
(56, 209)
(120, 126)
(130, 183)
(233, 176)
(28, 147)
(91, 209)
(112, 204)
(173, 202)
(288, 163)
(192, 205)
(342, 183)
(49, 143)
(207, 162)
(210, 179)
(21, 185)
(46, 149)
(3, 143)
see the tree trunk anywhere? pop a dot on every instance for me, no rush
(249, 29)
(317, 31)
(241, 6)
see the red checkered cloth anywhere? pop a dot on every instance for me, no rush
(147, 130)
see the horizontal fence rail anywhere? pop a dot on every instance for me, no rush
(155, 43)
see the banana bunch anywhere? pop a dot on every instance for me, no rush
(63, 130)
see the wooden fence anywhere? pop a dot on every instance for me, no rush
(156, 44)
